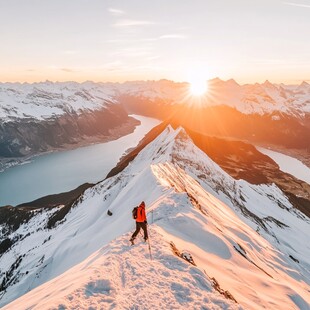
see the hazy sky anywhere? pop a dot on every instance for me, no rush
(121, 40)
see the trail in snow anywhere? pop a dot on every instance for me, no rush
(120, 276)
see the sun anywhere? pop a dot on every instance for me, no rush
(198, 87)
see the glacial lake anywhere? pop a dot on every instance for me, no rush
(289, 164)
(62, 171)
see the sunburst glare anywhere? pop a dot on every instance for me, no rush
(198, 87)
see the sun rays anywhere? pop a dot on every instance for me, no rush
(198, 87)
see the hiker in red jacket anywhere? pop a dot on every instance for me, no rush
(141, 222)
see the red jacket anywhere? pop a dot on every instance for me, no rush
(141, 216)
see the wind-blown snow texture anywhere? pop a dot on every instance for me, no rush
(265, 98)
(249, 238)
(45, 100)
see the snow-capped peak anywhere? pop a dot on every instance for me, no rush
(47, 99)
(304, 86)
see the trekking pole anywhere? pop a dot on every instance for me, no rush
(150, 250)
(149, 244)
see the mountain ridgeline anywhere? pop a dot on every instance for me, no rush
(44, 116)
(29, 137)
(41, 117)
(248, 112)
(215, 238)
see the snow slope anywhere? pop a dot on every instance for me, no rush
(246, 238)
(119, 276)
(265, 98)
(45, 100)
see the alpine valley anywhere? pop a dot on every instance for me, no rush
(40, 117)
(228, 229)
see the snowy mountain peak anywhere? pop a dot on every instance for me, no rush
(174, 146)
(269, 85)
(232, 83)
(304, 86)
(45, 100)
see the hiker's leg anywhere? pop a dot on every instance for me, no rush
(134, 235)
(144, 227)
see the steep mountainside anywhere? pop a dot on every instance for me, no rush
(249, 112)
(45, 116)
(217, 242)
(240, 160)
(44, 100)
(261, 99)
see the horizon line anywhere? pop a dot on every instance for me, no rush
(297, 82)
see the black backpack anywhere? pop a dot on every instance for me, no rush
(135, 212)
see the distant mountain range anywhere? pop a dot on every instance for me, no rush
(44, 116)
(260, 113)
(45, 100)
(36, 118)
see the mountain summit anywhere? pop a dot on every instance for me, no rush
(216, 242)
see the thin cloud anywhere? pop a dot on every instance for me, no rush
(162, 37)
(112, 66)
(67, 70)
(132, 40)
(132, 52)
(116, 12)
(70, 52)
(132, 22)
(152, 58)
(298, 5)
(172, 36)
(268, 61)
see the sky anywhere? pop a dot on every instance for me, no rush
(119, 40)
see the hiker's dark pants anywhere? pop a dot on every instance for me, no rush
(140, 225)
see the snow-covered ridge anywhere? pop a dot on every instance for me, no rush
(265, 98)
(44, 100)
(119, 276)
(249, 238)
(47, 99)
